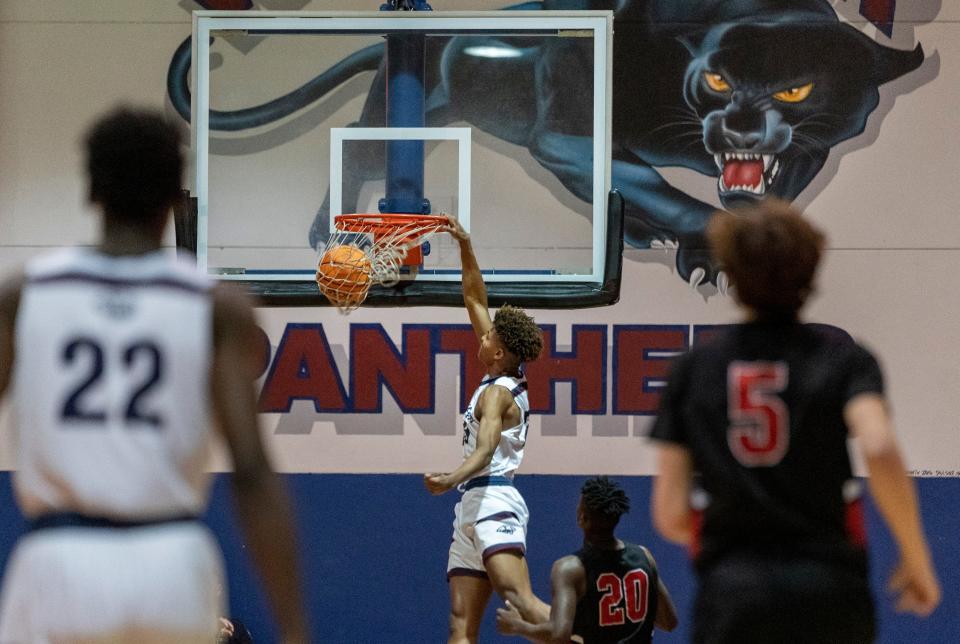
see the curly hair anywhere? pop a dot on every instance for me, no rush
(603, 497)
(771, 254)
(134, 162)
(518, 332)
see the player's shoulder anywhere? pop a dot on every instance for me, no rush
(186, 269)
(568, 566)
(11, 286)
(232, 312)
(159, 267)
(645, 551)
(833, 344)
(231, 302)
(504, 388)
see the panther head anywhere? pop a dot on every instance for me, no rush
(774, 97)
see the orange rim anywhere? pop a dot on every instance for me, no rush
(382, 224)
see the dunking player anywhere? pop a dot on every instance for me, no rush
(609, 591)
(489, 529)
(114, 356)
(763, 413)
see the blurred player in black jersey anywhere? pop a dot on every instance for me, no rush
(762, 414)
(609, 591)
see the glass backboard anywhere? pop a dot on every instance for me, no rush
(501, 119)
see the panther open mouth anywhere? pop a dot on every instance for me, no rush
(746, 172)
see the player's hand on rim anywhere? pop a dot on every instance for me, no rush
(437, 483)
(455, 228)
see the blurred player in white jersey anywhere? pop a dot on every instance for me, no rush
(115, 356)
(489, 529)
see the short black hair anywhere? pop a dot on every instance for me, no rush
(134, 162)
(605, 499)
(518, 332)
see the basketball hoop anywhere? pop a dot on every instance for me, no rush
(388, 241)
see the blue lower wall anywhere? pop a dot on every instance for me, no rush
(374, 555)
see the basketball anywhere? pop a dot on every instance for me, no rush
(344, 275)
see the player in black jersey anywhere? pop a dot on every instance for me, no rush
(762, 414)
(609, 591)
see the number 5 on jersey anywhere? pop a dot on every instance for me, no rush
(759, 431)
(634, 587)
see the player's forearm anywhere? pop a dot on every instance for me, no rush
(678, 529)
(672, 516)
(896, 498)
(474, 290)
(666, 618)
(471, 465)
(264, 514)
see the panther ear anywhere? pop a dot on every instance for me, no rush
(693, 41)
(894, 63)
(880, 64)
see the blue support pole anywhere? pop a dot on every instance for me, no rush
(405, 108)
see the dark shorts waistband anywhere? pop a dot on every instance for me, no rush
(484, 481)
(77, 520)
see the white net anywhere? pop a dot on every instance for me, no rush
(369, 249)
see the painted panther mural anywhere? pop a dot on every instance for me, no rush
(752, 92)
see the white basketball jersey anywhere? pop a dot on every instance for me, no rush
(509, 453)
(110, 388)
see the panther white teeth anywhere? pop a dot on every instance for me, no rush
(742, 156)
(771, 167)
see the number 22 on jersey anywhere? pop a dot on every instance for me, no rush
(759, 430)
(87, 356)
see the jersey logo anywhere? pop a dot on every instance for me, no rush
(506, 529)
(759, 430)
(623, 598)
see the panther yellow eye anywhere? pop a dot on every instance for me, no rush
(716, 82)
(794, 94)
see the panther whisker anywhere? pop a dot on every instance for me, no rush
(681, 109)
(679, 137)
(804, 150)
(674, 124)
(812, 125)
(827, 115)
(808, 138)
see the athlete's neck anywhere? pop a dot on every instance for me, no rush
(752, 315)
(120, 237)
(602, 541)
(496, 370)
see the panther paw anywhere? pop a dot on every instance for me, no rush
(697, 268)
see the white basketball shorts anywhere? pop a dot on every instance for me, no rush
(487, 520)
(159, 584)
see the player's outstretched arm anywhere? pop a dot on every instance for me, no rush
(671, 493)
(914, 581)
(263, 509)
(666, 617)
(474, 290)
(493, 404)
(9, 303)
(567, 581)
